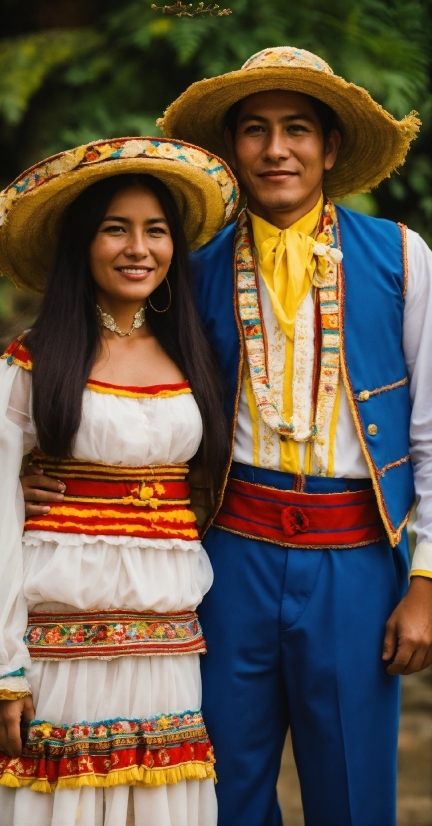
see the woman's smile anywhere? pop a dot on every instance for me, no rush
(135, 273)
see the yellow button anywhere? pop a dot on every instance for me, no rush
(372, 429)
(364, 395)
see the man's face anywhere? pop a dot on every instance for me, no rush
(279, 154)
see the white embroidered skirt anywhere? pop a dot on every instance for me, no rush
(123, 697)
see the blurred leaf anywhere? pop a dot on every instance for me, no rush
(187, 38)
(397, 189)
(364, 202)
(26, 61)
(161, 27)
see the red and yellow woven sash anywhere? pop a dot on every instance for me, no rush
(300, 520)
(107, 634)
(150, 502)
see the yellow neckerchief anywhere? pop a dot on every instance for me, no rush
(287, 265)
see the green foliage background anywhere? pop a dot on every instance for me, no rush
(71, 72)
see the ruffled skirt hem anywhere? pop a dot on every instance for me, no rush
(136, 776)
(163, 749)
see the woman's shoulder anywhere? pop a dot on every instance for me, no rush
(17, 353)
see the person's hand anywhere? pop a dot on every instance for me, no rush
(13, 714)
(39, 489)
(408, 637)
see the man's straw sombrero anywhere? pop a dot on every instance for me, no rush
(374, 144)
(32, 207)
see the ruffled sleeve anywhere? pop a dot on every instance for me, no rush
(17, 437)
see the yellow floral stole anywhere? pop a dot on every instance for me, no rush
(325, 278)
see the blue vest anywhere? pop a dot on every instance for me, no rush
(373, 364)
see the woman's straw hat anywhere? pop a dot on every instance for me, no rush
(32, 207)
(374, 144)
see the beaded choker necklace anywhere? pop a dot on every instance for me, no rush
(106, 320)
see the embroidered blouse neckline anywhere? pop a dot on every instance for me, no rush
(132, 391)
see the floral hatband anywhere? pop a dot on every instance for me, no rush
(33, 206)
(100, 151)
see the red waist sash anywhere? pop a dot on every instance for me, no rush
(150, 502)
(300, 520)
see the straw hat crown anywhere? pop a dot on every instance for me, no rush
(287, 56)
(32, 206)
(373, 145)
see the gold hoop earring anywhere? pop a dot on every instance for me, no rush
(169, 302)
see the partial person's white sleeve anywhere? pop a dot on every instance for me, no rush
(16, 438)
(417, 345)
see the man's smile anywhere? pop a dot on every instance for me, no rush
(276, 174)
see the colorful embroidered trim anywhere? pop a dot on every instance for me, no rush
(300, 520)
(150, 502)
(94, 483)
(250, 315)
(254, 336)
(364, 395)
(179, 523)
(99, 151)
(145, 752)
(107, 634)
(17, 353)
(391, 465)
(330, 344)
(403, 230)
(303, 370)
(101, 472)
(161, 391)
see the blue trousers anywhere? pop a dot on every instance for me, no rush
(294, 640)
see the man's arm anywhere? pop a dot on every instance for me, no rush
(408, 637)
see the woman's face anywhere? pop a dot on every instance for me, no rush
(131, 252)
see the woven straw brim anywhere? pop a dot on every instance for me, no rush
(28, 238)
(373, 145)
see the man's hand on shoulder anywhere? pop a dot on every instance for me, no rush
(38, 490)
(408, 637)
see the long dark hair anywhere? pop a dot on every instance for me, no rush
(65, 339)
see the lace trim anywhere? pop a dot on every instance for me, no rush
(13, 688)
